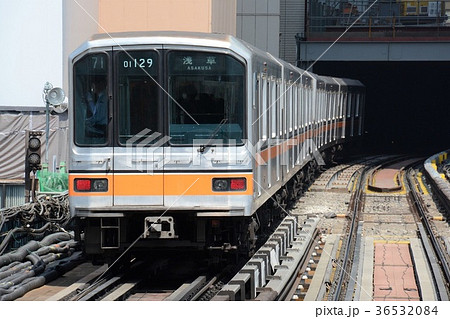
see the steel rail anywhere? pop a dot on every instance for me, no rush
(188, 291)
(421, 210)
(285, 294)
(356, 201)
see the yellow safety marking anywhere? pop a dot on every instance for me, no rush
(402, 191)
(355, 182)
(421, 184)
(379, 241)
(440, 218)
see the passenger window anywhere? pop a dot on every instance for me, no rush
(349, 105)
(274, 108)
(137, 97)
(264, 108)
(358, 99)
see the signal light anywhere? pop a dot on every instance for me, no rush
(229, 184)
(32, 162)
(33, 151)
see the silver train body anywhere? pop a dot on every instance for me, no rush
(194, 140)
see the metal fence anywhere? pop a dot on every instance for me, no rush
(12, 194)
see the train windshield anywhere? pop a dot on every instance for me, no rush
(91, 100)
(206, 98)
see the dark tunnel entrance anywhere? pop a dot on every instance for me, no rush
(407, 104)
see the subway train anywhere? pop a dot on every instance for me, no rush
(194, 141)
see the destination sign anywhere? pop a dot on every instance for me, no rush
(202, 62)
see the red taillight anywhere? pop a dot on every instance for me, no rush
(91, 184)
(229, 184)
(237, 184)
(83, 185)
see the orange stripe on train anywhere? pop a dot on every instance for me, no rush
(159, 184)
(286, 145)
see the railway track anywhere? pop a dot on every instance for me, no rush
(168, 278)
(393, 232)
(342, 240)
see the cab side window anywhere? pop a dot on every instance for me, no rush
(91, 100)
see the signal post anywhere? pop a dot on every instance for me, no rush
(32, 162)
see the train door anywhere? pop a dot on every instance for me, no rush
(352, 114)
(264, 130)
(282, 127)
(273, 90)
(278, 126)
(361, 115)
(261, 109)
(296, 124)
(343, 117)
(288, 128)
(349, 120)
(138, 151)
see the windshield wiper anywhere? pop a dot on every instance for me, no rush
(211, 137)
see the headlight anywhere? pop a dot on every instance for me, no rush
(220, 185)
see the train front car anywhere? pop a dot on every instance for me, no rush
(158, 130)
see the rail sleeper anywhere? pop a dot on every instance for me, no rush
(274, 264)
(261, 273)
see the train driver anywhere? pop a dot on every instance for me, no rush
(97, 103)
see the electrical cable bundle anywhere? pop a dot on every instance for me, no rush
(36, 263)
(51, 210)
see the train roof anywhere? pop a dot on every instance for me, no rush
(144, 37)
(352, 83)
(162, 38)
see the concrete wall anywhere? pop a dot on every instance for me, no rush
(258, 23)
(224, 16)
(31, 37)
(271, 25)
(171, 15)
(292, 21)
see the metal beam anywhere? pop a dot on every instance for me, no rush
(374, 51)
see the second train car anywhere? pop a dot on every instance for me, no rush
(194, 140)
